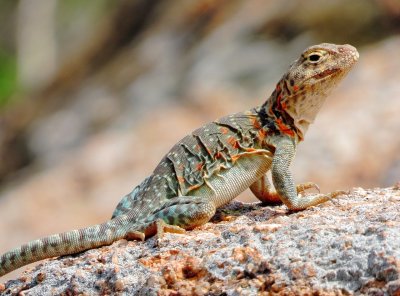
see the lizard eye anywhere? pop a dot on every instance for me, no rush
(314, 58)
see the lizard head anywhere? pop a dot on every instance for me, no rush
(303, 89)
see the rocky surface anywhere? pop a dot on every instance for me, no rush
(348, 246)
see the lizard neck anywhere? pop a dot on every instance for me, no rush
(274, 115)
(293, 108)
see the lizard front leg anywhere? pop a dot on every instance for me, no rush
(283, 180)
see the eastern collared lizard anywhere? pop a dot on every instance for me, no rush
(212, 165)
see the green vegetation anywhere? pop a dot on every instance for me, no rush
(8, 77)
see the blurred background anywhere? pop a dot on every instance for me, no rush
(94, 93)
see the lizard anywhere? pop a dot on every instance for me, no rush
(211, 166)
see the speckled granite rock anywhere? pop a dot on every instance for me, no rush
(345, 247)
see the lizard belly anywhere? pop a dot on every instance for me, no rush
(227, 184)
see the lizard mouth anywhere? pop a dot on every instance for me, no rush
(326, 73)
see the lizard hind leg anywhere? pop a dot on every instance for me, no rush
(180, 213)
(263, 190)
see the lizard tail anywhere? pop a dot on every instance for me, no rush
(65, 243)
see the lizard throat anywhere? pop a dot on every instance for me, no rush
(274, 117)
(292, 114)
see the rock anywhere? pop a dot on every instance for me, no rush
(348, 246)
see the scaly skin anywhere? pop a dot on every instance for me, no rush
(216, 162)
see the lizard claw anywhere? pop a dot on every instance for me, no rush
(305, 186)
(337, 193)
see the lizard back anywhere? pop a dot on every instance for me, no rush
(204, 161)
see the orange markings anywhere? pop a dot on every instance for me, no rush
(284, 128)
(270, 109)
(255, 123)
(281, 105)
(295, 88)
(233, 142)
(199, 166)
(278, 100)
(224, 130)
(250, 149)
(193, 187)
(235, 157)
(262, 134)
(218, 155)
(181, 179)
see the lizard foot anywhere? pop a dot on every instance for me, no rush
(305, 186)
(158, 228)
(135, 235)
(303, 202)
(164, 227)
